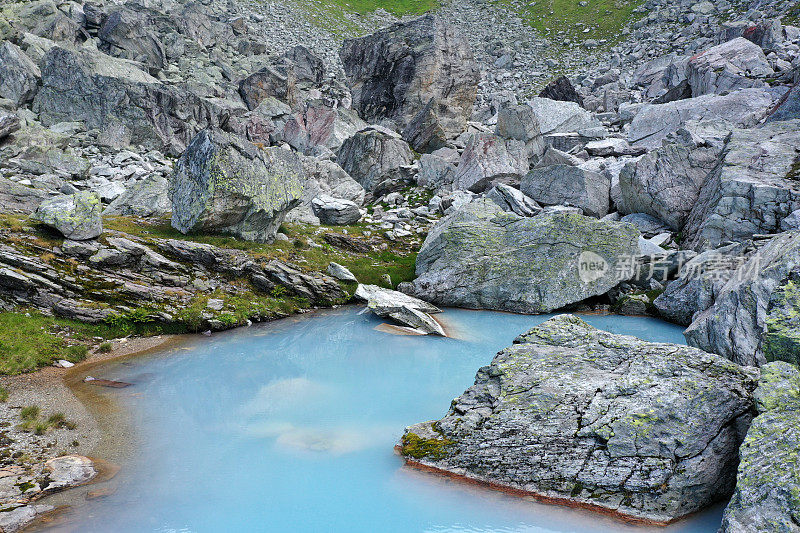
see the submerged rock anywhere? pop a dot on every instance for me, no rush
(767, 496)
(482, 257)
(223, 184)
(402, 308)
(76, 216)
(610, 422)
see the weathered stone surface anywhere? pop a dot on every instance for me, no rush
(402, 308)
(665, 79)
(9, 123)
(324, 177)
(665, 183)
(19, 75)
(76, 216)
(788, 107)
(16, 198)
(767, 496)
(751, 190)
(561, 89)
(436, 173)
(374, 155)
(513, 200)
(70, 470)
(341, 272)
(488, 160)
(568, 185)
(148, 198)
(730, 66)
(754, 317)
(613, 147)
(415, 71)
(653, 123)
(18, 518)
(586, 417)
(224, 184)
(285, 78)
(484, 258)
(562, 117)
(335, 211)
(127, 34)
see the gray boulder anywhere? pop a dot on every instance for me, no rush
(768, 484)
(16, 198)
(561, 89)
(320, 125)
(402, 308)
(788, 107)
(752, 189)
(335, 211)
(665, 79)
(148, 198)
(513, 200)
(374, 155)
(519, 123)
(754, 317)
(568, 185)
(19, 76)
(223, 184)
(613, 147)
(324, 177)
(562, 117)
(487, 160)
(653, 123)
(420, 74)
(286, 78)
(76, 216)
(9, 123)
(591, 419)
(128, 34)
(436, 173)
(791, 222)
(341, 272)
(482, 257)
(730, 66)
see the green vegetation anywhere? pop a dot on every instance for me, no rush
(31, 421)
(105, 347)
(792, 16)
(395, 7)
(3, 395)
(412, 445)
(30, 412)
(568, 19)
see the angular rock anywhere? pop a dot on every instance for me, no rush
(730, 66)
(788, 107)
(148, 198)
(571, 186)
(561, 89)
(403, 309)
(665, 79)
(513, 200)
(436, 173)
(127, 34)
(9, 123)
(16, 198)
(488, 160)
(753, 188)
(481, 257)
(791, 222)
(19, 76)
(223, 184)
(76, 216)
(324, 177)
(335, 211)
(420, 71)
(562, 117)
(285, 78)
(374, 155)
(754, 317)
(768, 484)
(341, 272)
(588, 418)
(613, 147)
(744, 109)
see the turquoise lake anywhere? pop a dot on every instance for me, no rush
(290, 427)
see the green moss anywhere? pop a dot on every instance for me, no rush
(412, 445)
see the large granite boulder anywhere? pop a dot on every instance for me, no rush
(665, 79)
(654, 122)
(373, 155)
(767, 496)
(489, 159)
(754, 317)
(19, 76)
(324, 177)
(513, 200)
(286, 78)
(420, 74)
(665, 183)
(556, 116)
(16, 198)
(482, 257)
(148, 198)
(753, 188)
(223, 184)
(571, 186)
(437, 173)
(75, 216)
(730, 66)
(127, 34)
(788, 107)
(580, 416)
(335, 211)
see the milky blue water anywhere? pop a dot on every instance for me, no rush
(290, 426)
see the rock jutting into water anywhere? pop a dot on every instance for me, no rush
(403, 309)
(580, 416)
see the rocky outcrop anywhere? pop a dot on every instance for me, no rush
(127, 34)
(752, 189)
(754, 317)
(561, 117)
(576, 415)
(481, 257)
(570, 186)
(148, 198)
(665, 79)
(767, 496)
(788, 108)
(76, 216)
(374, 155)
(19, 76)
(487, 160)
(286, 78)
(437, 173)
(730, 66)
(223, 184)
(16, 198)
(324, 177)
(335, 211)
(9, 123)
(403, 309)
(513, 200)
(419, 74)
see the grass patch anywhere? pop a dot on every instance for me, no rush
(395, 7)
(105, 347)
(568, 19)
(30, 412)
(3, 395)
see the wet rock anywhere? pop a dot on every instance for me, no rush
(487, 160)
(403, 309)
(418, 73)
(754, 317)
(571, 186)
(223, 184)
(727, 67)
(76, 216)
(586, 417)
(18, 518)
(751, 190)
(768, 484)
(19, 76)
(374, 155)
(335, 211)
(482, 257)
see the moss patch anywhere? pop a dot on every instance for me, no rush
(412, 445)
